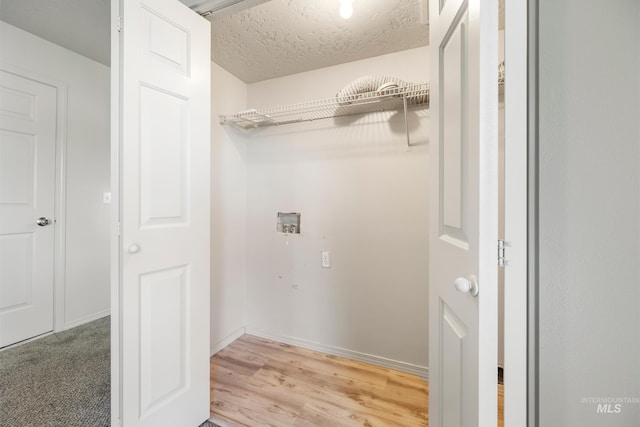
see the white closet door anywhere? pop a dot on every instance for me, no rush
(164, 254)
(27, 179)
(463, 150)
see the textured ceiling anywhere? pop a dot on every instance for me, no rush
(78, 25)
(283, 37)
(274, 38)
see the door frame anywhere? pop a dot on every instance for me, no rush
(516, 216)
(520, 18)
(60, 235)
(532, 330)
(115, 279)
(59, 195)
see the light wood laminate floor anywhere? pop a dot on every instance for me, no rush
(257, 382)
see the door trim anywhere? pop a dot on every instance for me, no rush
(59, 250)
(532, 224)
(116, 333)
(516, 216)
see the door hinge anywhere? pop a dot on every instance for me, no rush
(119, 24)
(118, 228)
(502, 261)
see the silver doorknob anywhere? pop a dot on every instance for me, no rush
(134, 248)
(465, 285)
(42, 221)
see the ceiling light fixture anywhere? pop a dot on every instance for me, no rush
(346, 8)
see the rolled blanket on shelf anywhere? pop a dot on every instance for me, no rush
(381, 85)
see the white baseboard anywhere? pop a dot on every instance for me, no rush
(27, 341)
(67, 326)
(421, 371)
(86, 319)
(220, 345)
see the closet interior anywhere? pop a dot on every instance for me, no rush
(354, 167)
(342, 163)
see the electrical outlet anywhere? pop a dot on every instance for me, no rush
(326, 259)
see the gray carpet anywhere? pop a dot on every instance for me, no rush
(62, 380)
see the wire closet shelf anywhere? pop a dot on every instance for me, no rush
(394, 99)
(414, 95)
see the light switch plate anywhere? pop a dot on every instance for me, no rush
(106, 197)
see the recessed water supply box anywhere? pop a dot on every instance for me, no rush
(288, 223)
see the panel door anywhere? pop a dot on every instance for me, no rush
(27, 191)
(164, 197)
(463, 294)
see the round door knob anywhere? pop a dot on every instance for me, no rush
(134, 248)
(465, 285)
(42, 221)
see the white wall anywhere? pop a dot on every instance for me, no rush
(86, 288)
(228, 212)
(363, 197)
(589, 233)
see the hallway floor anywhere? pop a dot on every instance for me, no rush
(59, 380)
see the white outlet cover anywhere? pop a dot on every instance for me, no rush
(326, 259)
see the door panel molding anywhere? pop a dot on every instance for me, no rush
(453, 122)
(163, 368)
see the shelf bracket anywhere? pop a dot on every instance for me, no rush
(406, 121)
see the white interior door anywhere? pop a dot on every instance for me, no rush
(27, 192)
(463, 150)
(164, 203)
